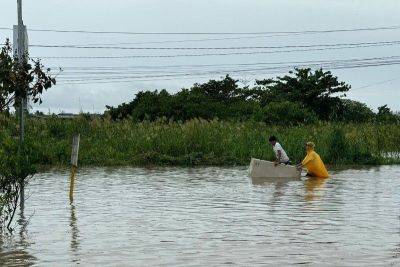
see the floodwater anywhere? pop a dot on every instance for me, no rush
(208, 217)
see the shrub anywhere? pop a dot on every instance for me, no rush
(354, 111)
(385, 115)
(287, 113)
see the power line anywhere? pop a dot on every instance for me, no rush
(327, 64)
(212, 33)
(196, 40)
(215, 48)
(155, 79)
(234, 64)
(377, 83)
(214, 54)
(224, 71)
(191, 40)
(118, 74)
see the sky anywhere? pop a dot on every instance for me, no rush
(89, 84)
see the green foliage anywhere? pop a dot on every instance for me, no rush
(385, 115)
(19, 79)
(313, 90)
(215, 99)
(17, 161)
(287, 113)
(343, 149)
(353, 111)
(202, 142)
(302, 97)
(16, 165)
(338, 146)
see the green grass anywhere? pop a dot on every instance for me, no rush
(200, 142)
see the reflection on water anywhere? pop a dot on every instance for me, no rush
(272, 181)
(14, 249)
(278, 185)
(208, 217)
(314, 187)
(74, 235)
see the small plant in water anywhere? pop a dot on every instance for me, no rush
(16, 167)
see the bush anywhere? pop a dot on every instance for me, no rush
(354, 111)
(385, 115)
(16, 165)
(345, 150)
(287, 113)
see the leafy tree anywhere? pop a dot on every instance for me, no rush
(214, 99)
(354, 111)
(16, 160)
(303, 96)
(224, 90)
(16, 79)
(386, 115)
(314, 90)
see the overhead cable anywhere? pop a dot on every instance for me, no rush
(212, 33)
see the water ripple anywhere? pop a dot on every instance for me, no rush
(208, 216)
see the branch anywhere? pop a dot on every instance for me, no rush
(14, 209)
(7, 103)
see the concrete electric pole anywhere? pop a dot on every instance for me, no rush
(21, 51)
(21, 55)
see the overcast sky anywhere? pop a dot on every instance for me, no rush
(374, 85)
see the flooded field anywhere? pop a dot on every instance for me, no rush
(208, 217)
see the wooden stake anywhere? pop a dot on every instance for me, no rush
(74, 163)
(72, 183)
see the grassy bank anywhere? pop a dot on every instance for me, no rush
(199, 142)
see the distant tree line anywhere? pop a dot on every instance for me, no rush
(302, 96)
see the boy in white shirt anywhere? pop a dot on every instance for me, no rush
(281, 156)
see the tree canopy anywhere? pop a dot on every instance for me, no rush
(301, 96)
(18, 78)
(319, 91)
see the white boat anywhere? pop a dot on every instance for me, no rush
(267, 169)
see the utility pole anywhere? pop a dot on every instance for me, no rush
(22, 91)
(21, 55)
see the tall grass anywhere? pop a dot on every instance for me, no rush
(200, 142)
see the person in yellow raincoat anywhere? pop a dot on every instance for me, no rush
(313, 163)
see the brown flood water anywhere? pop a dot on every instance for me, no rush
(208, 217)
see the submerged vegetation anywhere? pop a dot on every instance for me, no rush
(201, 142)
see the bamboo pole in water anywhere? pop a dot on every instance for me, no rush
(74, 163)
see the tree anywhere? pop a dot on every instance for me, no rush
(222, 99)
(386, 115)
(314, 90)
(16, 79)
(17, 160)
(303, 96)
(354, 111)
(223, 90)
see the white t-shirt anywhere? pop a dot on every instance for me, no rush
(284, 157)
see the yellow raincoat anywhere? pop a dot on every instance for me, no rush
(315, 166)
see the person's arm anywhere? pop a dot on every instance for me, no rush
(305, 161)
(299, 166)
(278, 159)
